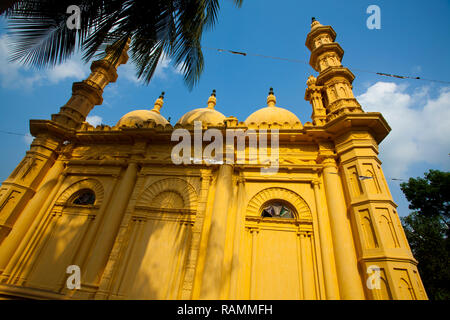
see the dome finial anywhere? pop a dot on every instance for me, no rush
(314, 23)
(271, 99)
(159, 103)
(212, 100)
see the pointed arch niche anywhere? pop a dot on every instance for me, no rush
(167, 194)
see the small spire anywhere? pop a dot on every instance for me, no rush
(110, 53)
(212, 100)
(314, 23)
(271, 99)
(159, 103)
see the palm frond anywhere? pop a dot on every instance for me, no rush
(41, 42)
(156, 28)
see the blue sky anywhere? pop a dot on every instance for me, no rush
(413, 40)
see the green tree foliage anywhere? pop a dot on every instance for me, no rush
(154, 28)
(427, 230)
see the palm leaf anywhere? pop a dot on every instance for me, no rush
(156, 28)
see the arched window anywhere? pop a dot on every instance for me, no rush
(277, 209)
(84, 197)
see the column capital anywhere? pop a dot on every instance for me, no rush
(253, 229)
(315, 182)
(206, 176)
(327, 160)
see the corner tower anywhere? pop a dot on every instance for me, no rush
(334, 80)
(363, 215)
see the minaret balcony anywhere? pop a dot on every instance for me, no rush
(317, 32)
(326, 48)
(334, 72)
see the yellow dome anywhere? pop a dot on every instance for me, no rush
(138, 117)
(271, 113)
(205, 115)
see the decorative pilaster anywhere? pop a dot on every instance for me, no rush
(192, 260)
(326, 247)
(350, 284)
(13, 246)
(22, 184)
(254, 231)
(212, 272)
(238, 233)
(110, 225)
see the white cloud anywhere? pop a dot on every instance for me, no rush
(420, 126)
(14, 75)
(28, 139)
(70, 69)
(416, 69)
(128, 71)
(94, 120)
(165, 69)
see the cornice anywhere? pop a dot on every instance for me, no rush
(373, 122)
(332, 72)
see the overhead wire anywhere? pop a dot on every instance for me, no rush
(246, 53)
(242, 53)
(15, 133)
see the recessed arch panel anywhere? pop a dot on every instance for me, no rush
(91, 184)
(160, 191)
(271, 194)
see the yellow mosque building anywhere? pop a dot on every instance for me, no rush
(111, 201)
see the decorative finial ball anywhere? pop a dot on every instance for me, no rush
(162, 95)
(311, 80)
(314, 23)
(213, 92)
(271, 91)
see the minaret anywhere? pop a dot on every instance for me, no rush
(334, 80)
(88, 93)
(372, 255)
